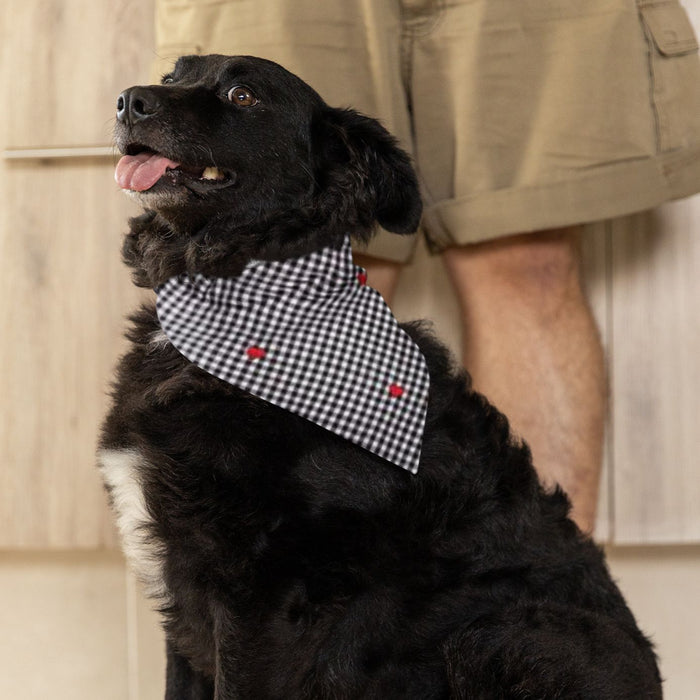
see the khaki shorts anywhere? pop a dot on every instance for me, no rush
(521, 115)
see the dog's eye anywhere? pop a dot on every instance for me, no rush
(167, 79)
(242, 96)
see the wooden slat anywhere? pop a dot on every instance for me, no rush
(59, 153)
(63, 295)
(656, 375)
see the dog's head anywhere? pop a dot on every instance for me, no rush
(235, 158)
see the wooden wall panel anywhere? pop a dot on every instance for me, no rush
(63, 622)
(656, 375)
(63, 294)
(68, 61)
(63, 290)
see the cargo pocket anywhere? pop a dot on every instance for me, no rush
(674, 68)
(669, 27)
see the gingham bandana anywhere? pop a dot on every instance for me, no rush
(309, 336)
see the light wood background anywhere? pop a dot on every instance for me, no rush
(63, 289)
(63, 297)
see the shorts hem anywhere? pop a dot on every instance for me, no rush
(616, 190)
(388, 246)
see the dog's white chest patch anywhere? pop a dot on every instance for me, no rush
(121, 473)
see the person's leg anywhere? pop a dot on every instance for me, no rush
(533, 349)
(382, 275)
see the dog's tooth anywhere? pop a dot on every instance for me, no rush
(212, 173)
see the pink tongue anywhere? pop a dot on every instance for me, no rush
(141, 172)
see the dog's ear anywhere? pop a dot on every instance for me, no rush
(381, 175)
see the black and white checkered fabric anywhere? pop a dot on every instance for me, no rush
(309, 336)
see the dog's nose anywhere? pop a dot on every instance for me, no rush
(136, 104)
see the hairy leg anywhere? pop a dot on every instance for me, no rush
(532, 347)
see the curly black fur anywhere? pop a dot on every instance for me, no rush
(295, 564)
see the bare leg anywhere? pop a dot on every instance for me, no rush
(383, 275)
(532, 347)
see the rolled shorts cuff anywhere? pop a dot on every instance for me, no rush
(616, 190)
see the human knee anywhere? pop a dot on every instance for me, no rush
(537, 263)
(534, 268)
(382, 275)
(535, 275)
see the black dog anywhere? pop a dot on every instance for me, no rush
(289, 562)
